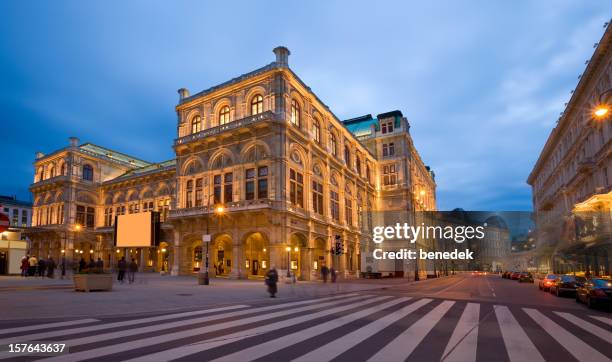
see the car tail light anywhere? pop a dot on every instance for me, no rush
(599, 293)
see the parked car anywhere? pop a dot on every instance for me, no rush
(514, 276)
(564, 284)
(525, 277)
(547, 281)
(595, 292)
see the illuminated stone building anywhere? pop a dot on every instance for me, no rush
(572, 178)
(262, 165)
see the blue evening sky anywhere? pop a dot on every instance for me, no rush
(482, 82)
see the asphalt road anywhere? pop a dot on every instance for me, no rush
(463, 318)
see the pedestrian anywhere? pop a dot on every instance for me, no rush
(33, 263)
(82, 265)
(132, 269)
(99, 265)
(271, 280)
(332, 271)
(91, 266)
(121, 266)
(42, 267)
(324, 273)
(50, 267)
(25, 265)
(63, 266)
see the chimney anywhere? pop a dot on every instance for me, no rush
(183, 93)
(39, 155)
(282, 56)
(74, 141)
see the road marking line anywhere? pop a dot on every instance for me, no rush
(518, 345)
(162, 338)
(605, 320)
(589, 327)
(47, 325)
(462, 345)
(338, 346)
(580, 350)
(403, 345)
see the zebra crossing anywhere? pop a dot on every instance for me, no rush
(347, 327)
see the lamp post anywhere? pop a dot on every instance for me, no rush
(288, 249)
(602, 110)
(203, 277)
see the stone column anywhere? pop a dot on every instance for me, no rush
(237, 262)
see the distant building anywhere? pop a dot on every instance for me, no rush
(572, 178)
(19, 212)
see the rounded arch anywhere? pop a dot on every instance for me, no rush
(146, 193)
(87, 197)
(108, 199)
(162, 189)
(295, 149)
(256, 246)
(219, 104)
(254, 151)
(297, 239)
(132, 195)
(220, 159)
(221, 254)
(256, 90)
(38, 200)
(118, 197)
(192, 166)
(318, 168)
(87, 171)
(335, 178)
(47, 198)
(59, 196)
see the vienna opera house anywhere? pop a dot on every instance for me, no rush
(262, 167)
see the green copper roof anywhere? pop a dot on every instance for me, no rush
(113, 155)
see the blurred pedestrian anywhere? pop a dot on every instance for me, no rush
(24, 265)
(91, 265)
(33, 263)
(82, 265)
(332, 271)
(99, 265)
(271, 281)
(63, 266)
(50, 268)
(132, 269)
(42, 267)
(324, 273)
(122, 267)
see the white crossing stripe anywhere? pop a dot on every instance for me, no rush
(216, 342)
(152, 341)
(462, 345)
(580, 350)
(57, 333)
(47, 325)
(518, 345)
(403, 345)
(605, 320)
(337, 347)
(589, 327)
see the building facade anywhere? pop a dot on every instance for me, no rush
(13, 244)
(19, 212)
(572, 178)
(262, 166)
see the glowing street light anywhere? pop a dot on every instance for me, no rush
(288, 249)
(601, 111)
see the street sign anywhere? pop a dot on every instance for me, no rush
(4, 223)
(206, 238)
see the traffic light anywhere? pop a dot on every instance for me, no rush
(338, 247)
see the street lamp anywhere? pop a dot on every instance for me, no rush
(288, 261)
(203, 278)
(602, 110)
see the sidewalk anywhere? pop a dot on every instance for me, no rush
(25, 298)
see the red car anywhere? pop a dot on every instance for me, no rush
(547, 281)
(514, 275)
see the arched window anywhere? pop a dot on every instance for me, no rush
(224, 115)
(295, 113)
(347, 156)
(358, 164)
(196, 124)
(41, 174)
(52, 171)
(333, 144)
(87, 173)
(316, 130)
(63, 169)
(257, 105)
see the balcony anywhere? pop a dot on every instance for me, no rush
(52, 181)
(586, 165)
(244, 122)
(247, 205)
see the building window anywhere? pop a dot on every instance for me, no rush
(316, 130)
(90, 217)
(189, 194)
(163, 207)
(196, 124)
(85, 216)
(333, 144)
(334, 205)
(389, 174)
(386, 127)
(257, 105)
(15, 218)
(348, 210)
(198, 193)
(262, 182)
(217, 189)
(347, 156)
(227, 187)
(108, 216)
(41, 175)
(317, 197)
(296, 189)
(250, 184)
(388, 149)
(61, 214)
(52, 171)
(63, 169)
(24, 218)
(87, 173)
(358, 164)
(295, 113)
(224, 115)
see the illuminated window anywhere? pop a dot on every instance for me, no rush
(189, 194)
(259, 178)
(87, 173)
(316, 130)
(348, 211)
(347, 156)
(389, 174)
(296, 188)
(196, 124)
(333, 144)
(198, 193)
(257, 105)
(317, 197)
(334, 205)
(224, 115)
(295, 113)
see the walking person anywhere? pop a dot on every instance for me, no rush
(82, 265)
(32, 267)
(271, 281)
(63, 266)
(50, 268)
(99, 265)
(324, 273)
(332, 271)
(25, 264)
(42, 267)
(132, 269)
(122, 267)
